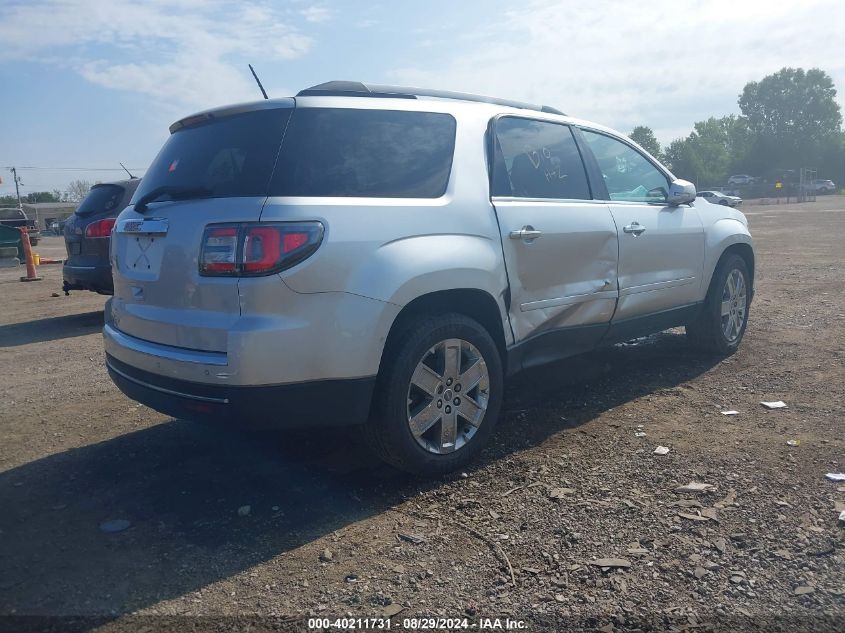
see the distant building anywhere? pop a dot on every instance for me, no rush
(46, 212)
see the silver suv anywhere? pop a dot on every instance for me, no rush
(384, 257)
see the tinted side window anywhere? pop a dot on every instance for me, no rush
(628, 174)
(541, 160)
(365, 153)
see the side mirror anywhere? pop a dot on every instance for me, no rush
(681, 192)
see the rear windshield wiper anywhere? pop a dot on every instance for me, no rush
(175, 192)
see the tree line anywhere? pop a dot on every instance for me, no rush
(75, 191)
(790, 120)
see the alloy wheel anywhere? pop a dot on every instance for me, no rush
(448, 396)
(734, 305)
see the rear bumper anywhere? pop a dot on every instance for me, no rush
(96, 278)
(300, 405)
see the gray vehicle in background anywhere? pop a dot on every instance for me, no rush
(385, 257)
(88, 235)
(741, 179)
(823, 186)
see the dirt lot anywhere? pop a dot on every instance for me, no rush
(330, 533)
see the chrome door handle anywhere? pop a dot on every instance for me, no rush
(527, 233)
(634, 228)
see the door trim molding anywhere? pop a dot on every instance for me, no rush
(658, 285)
(568, 300)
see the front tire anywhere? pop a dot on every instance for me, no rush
(438, 395)
(721, 324)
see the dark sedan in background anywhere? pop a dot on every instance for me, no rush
(87, 236)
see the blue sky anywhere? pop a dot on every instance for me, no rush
(90, 83)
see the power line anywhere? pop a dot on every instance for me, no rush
(80, 168)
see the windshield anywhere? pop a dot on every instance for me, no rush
(100, 199)
(222, 158)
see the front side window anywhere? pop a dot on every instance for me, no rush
(537, 159)
(628, 175)
(365, 153)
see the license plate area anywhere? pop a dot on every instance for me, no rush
(142, 249)
(142, 255)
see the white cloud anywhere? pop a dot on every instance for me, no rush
(185, 53)
(665, 63)
(317, 14)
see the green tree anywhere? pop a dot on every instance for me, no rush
(678, 156)
(791, 115)
(644, 137)
(40, 196)
(711, 150)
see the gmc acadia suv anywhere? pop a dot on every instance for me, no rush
(384, 257)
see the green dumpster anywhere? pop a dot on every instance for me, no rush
(10, 236)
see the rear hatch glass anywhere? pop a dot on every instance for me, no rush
(101, 199)
(230, 156)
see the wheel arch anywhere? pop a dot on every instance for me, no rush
(726, 236)
(746, 252)
(474, 303)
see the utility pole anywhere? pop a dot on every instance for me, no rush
(17, 190)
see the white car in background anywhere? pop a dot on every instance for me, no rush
(741, 179)
(717, 197)
(823, 186)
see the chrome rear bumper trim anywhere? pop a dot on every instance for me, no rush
(166, 352)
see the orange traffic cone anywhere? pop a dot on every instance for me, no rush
(30, 263)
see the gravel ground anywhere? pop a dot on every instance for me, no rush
(262, 532)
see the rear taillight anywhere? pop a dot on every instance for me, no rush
(253, 249)
(100, 228)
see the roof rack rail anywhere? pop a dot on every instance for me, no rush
(359, 89)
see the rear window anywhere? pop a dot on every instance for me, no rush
(365, 153)
(100, 199)
(11, 214)
(227, 157)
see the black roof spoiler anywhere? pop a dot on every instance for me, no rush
(358, 89)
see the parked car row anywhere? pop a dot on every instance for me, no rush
(819, 185)
(386, 257)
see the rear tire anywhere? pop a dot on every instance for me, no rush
(721, 324)
(438, 395)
